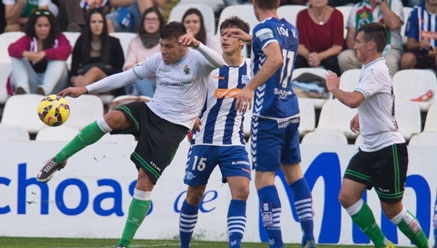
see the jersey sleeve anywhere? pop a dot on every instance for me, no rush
(263, 34)
(148, 67)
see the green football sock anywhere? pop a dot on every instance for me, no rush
(88, 135)
(410, 226)
(366, 222)
(137, 212)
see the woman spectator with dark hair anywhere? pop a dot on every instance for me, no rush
(39, 57)
(194, 23)
(95, 54)
(141, 47)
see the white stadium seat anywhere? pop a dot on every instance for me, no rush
(431, 119)
(5, 71)
(289, 12)
(244, 11)
(21, 111)
(324, 137)
(84, 110)
(345, 11)
(349, 79)
(6, 39)
(125, 38)
(307, 116)
(412, 83)
(60, 133)
(335, 116)
(12, 133)
(424, 139)
(408, 118)
(318, 103)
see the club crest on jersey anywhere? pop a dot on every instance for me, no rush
(245, 79)
(186, 69)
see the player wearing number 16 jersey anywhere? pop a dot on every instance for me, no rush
(275, 121)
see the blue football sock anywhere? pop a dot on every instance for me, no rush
(304, 208)
(187, 222)
(270, 208)
(236, 222)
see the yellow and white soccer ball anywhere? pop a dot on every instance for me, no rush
(53, 110)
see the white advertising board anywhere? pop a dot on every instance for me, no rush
(90, 197)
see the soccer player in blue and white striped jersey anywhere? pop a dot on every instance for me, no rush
(421, 33)
(220, 141)
(275, 121)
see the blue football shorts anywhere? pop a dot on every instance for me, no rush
(202, 159)
(274, 142)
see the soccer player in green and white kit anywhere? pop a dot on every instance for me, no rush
(159, 125)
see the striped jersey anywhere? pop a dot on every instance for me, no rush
(422, 24)
(275, 98)
(221, 123)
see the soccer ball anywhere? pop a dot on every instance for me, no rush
(53, 110)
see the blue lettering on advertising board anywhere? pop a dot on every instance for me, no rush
(326, 166)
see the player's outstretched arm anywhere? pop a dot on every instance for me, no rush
(73, 91)
(239, 34)
(212, 56)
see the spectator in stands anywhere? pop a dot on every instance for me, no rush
(39, 57)
(387, 12)
(96, 54)
(321, 35)
(142, 46)
(421, 37)
(194, 23)
(17, 12)
(127, 18)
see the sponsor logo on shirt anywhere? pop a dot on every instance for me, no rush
(282, 93)
(264, 34)
(176, 84)
(222, 93)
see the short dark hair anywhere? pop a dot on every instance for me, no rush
(267, 4)
(375, 32)
(172, 30)
(235, 22)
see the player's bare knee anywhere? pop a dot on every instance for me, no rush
(116, 120)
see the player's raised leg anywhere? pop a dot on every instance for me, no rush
(87, 136)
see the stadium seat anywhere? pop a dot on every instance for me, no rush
(72, 38)
(424, 139)
(125, 99)
(83, 110)
(5, 70)
(408, 118)
(244, 11)
(324, 137)
(406, 11)
(307, 116)
(289, 12)
(178, 11)
(345, 10)
(21, 111)
(349, 79)
(6, 39)
(125, 38)
(60, 133)
(335, 116)
(413, 83)
(13, 133)
(431, 119)
(358, 139)
(317, 103)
